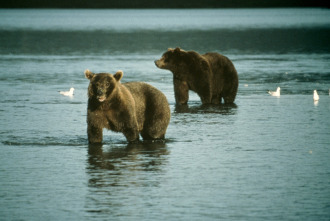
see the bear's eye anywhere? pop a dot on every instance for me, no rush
(107, 84)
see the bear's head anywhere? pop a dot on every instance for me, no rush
(103, 85)
(174, 60)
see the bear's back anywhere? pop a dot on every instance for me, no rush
(219, 61)
(145, 93)
(221, 66)
(148, 99)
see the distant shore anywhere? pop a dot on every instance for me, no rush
(123, 4)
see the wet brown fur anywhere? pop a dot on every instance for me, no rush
(131, 108)
(212, 76)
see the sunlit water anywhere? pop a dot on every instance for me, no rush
(264, 158)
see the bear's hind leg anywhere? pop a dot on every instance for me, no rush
(151, 134)
(229, 94)
(148, 137)
(216, 99)
(229, 99)
(132, 135)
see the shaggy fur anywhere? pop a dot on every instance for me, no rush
(212, 76)
(130, 108)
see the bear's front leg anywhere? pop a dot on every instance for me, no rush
(181, 91)
(95, 134)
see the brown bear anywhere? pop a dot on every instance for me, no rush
(212, 76)
(130, 108)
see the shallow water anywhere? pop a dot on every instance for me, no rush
(264, 158)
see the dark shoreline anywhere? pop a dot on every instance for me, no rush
(147, 4)
(276, 40)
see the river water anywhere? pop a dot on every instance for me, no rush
(264, 158)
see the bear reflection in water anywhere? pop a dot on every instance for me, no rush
(192, 108)
(146, 155)
(212, 76)
(131, 108)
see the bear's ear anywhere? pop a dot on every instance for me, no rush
(119, 74)
(177, 49)
(88, 74)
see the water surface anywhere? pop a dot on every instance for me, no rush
(264, 158)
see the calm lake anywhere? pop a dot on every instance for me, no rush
(264, 158)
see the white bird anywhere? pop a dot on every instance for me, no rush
(68, 93)
(316, 97)
(275, 93)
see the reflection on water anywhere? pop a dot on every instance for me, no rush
(223, 109)
(117, 173)
(143, 156)
(118, 161)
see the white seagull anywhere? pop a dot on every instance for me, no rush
(275, 93)
(316, 97)
(68, 93)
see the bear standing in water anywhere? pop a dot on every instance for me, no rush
(130, 108)
(212, 76)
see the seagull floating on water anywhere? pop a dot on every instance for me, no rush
(316, 97)
(68, 93)
(275, 93)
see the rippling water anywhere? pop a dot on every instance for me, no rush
(263, 158)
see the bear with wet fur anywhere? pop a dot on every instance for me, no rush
(131, 108)
(212, 76)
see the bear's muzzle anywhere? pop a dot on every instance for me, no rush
(101, 95)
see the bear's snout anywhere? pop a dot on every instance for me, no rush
(100, 92)
(159, 63)
(101, 95)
